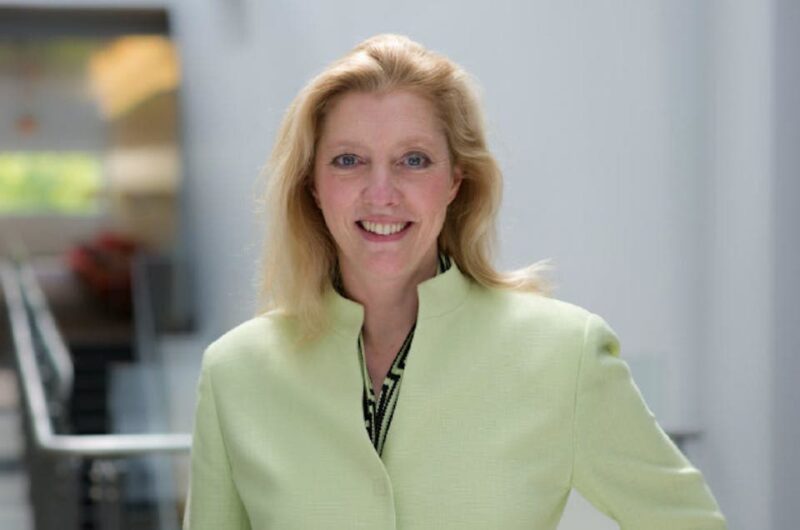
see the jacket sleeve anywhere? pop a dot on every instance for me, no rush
(624, 463)
(213, 501)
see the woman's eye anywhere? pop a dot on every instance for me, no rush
(417, 160)
(346, 160)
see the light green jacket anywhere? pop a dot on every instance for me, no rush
(508, 400)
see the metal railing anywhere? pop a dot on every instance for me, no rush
(56, 352)
(36, 404)
(107, 455)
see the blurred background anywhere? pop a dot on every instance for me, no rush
(651, 149)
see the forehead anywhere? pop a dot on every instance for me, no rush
(380, 116)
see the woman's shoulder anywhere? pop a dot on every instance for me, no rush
(524, 307)
(525, 316)
(256, 338)
(530, 330)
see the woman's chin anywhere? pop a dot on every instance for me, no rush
(388, 266)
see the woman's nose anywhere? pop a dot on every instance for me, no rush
(381, 185)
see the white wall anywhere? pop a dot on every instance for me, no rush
(741, 252)
(602, 139)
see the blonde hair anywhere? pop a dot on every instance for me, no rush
(300, 259)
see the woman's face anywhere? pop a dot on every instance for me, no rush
(383, 180)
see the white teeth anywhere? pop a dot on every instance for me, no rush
(382, 229)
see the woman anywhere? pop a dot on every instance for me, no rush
(398, 380)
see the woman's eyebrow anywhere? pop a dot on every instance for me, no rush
(418, 140)
(406, 142)
(342, 144)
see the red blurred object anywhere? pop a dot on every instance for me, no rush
(26, 124)
(104, 266)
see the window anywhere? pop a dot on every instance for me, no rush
(50, 182)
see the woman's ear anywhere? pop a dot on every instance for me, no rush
(312, 188)
(458, 176)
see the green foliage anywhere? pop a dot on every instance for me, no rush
(49, 182)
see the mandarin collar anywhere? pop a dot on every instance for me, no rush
(437, 295)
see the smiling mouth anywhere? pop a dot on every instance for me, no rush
(383, 229)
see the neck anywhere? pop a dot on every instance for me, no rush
(390, 305)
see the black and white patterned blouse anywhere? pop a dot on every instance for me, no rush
(378, 415)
